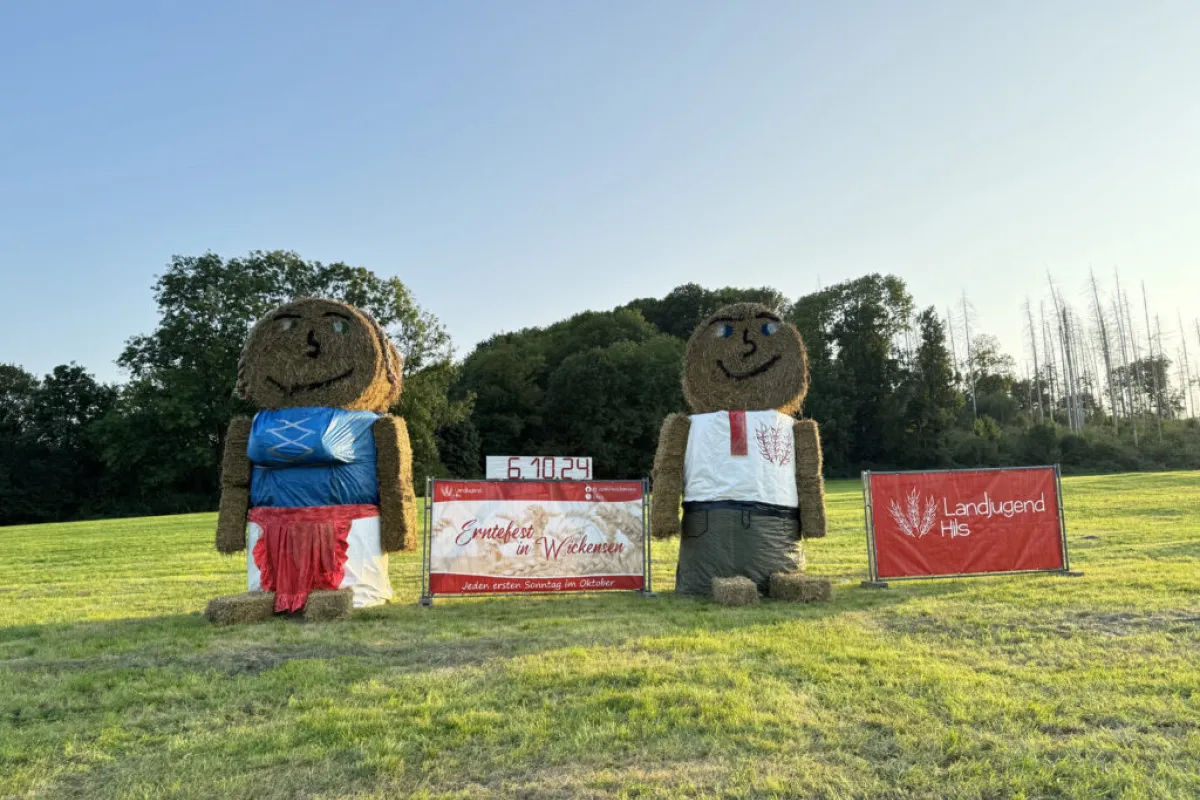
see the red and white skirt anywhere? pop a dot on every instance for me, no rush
(294, 551)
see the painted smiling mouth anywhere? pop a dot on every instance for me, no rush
(309, 387)
(741, 376)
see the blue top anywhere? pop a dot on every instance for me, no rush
(313, 457)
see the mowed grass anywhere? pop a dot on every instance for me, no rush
(112, 684)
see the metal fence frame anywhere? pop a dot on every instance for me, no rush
(872, 556)
(427, 596)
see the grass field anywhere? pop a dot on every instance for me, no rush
(112, 684)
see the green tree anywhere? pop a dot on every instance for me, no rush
(609, 403)
(933, 400)
(685, 307)
(184, 372)
(856, 376)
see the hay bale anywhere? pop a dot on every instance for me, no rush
(719, 373)
(668, 476)
(736, 591)
(797, 588)
(810, 486)
(314, 352)
(323, 605)
(246, 607)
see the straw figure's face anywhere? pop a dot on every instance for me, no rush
(745, 358)
(315, 352)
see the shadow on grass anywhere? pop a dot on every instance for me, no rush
(455, 633)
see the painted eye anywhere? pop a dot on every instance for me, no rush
(341, 326)
(287, 324)
(769, 328)
(724, 331)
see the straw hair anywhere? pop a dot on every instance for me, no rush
(245, 607)
(734, 363)
(314, 352)
(736, 591)
(667, 476)
(796, 588)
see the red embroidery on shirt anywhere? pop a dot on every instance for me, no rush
(737, 434)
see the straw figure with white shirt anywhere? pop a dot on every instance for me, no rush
(747, 470)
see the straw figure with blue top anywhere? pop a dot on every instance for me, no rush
(317, 488)
(744, 464)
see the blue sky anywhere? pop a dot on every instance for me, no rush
(517, 162)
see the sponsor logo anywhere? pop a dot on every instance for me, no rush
(917, 516)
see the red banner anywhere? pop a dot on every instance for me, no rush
(489, 537)
(965, 522)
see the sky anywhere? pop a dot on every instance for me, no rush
(515, 163)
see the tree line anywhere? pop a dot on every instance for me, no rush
(887, 385)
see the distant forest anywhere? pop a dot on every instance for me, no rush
(893, 384)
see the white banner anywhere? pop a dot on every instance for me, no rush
(497, 536)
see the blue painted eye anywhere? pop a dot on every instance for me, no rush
(724, 331)
(769, 328)
(341, 326)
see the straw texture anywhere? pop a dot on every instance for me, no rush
(745, 357)
(325, 604)
(397, 500)
(797, 588)
(667, 476)
(245, 607)
(736, 591)
(235, 488)
(810, 485)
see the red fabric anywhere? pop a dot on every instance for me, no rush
(965, 522)
(303, 549)
(549, 491)
(454, 583)
(738, 445)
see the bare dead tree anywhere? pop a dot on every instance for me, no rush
(1153, 365)
(970, 356)
(1112, 396)
(953, 346)
(1126, 389)
(1037, 374)
(1190, 403)
(1052, 362)
(1063, 323)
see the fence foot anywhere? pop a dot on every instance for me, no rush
(425, 602)
(1069, 574)
(650, 595)
(874, 584)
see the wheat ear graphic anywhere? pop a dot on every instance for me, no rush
(912, 519)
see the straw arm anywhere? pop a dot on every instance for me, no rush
(235, 487)
(668, 476)
(397, 501)
(810, 485)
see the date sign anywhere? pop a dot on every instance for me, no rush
(538, 468)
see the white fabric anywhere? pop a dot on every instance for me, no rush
(766, 474)
(366, 563)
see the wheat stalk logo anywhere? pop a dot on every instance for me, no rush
(911, 519)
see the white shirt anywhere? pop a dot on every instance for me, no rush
(751, 459)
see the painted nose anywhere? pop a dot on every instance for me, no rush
(753, 347)
(314, 347)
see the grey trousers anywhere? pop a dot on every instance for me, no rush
(722, 543)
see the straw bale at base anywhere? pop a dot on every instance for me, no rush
(246, 607)
(799, 588)
(736, 591)
(324, 605)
